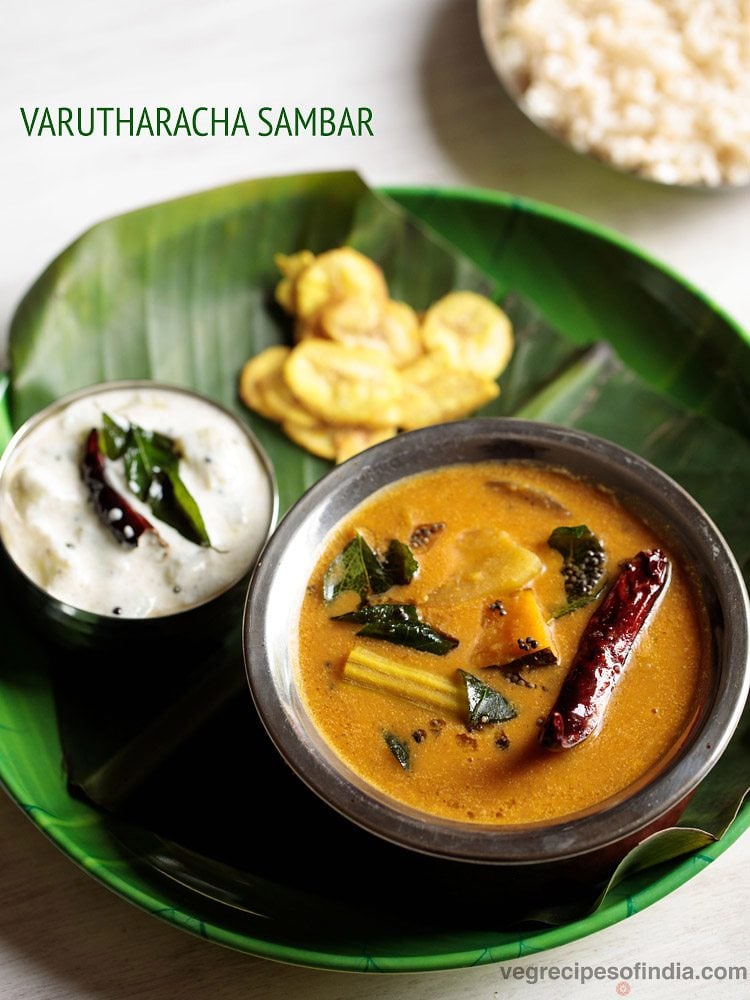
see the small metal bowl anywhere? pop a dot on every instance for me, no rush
(590, 840)
(83, 630)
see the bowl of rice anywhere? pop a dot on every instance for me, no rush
(657, 88)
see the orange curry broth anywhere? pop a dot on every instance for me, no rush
(465, 775)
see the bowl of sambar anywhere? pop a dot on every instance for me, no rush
(499, 641)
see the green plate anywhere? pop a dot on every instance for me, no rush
(592, 285)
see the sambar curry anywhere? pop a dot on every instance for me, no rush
(464, 629)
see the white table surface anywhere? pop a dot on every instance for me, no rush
(439, 118)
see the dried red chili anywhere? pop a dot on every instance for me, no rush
(125, 523)
(604, 649)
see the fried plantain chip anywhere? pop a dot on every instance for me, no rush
(263, 389)
(401, 332)
(433, 393)
(352, 320)
(350, 441)
(253, 374)
(390, 327)
(291, 266)
(344, 385)
(470, 331)
(317, 439)
(334, 275)
(281, 402)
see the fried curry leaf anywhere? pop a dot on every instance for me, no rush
(583, 566)
(146, 455)
(401, 625)
(151, 463)
(545, 657)
(400, 564)
(357, 568)
(484, 703)
(579, 602)
(381, 614)
(113, 437)
(171, 501)
(399, 749)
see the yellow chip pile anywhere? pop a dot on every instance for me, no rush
(365, 366)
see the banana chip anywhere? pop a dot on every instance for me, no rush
(253, 374)
(350, 441)
(434, 393)
(335, 275)
(390, 327)
(281, 402)
(352, 320)
(344, 385)
(291, 266)
(470, 331)
(317, 439)
(400, 330)
(263, 389)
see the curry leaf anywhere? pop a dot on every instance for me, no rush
(381, 614)
(378, 578)
(579, 602)
(415, 635)
(399, 749)
(484, 703)
(534, 659)
(151, 463)
(583, 562)
(140, 463)
(113, 437)
(171, 501)
(357, 568)
(400, 564)
(401, 625)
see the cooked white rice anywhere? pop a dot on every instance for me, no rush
(658, 87)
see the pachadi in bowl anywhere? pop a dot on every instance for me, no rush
(499, 641)
(132, 512)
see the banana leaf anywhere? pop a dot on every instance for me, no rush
(183, 292)
(595, 286)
